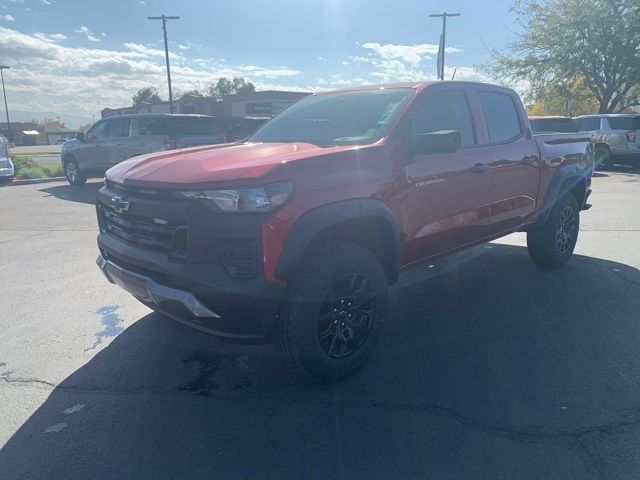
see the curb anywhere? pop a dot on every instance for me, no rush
(29, 181)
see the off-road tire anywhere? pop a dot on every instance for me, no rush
(551, 245)
(316, 287)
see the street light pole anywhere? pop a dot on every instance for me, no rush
(444, 36)
(6, 108)
(164, 19)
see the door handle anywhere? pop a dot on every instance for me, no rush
(480, 168)
(528, 160)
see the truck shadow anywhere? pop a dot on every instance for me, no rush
(84, 194)
(489, 365)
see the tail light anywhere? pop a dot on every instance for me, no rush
(169, 142)
(631, 136)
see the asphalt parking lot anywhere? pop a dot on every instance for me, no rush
(490, 367)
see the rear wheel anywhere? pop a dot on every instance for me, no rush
(72, 172)
(335, 311)
(552, 244)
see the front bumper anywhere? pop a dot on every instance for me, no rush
(203, 297)
(183, 260)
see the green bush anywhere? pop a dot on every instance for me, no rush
(27, 167)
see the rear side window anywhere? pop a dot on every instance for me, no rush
(589, 124)
(445, 111)
(185, 126)
(118, 127)
(500, 115)
(553, 125)
(624, 123)
(151, 126)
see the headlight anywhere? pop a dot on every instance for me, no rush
(253, 199)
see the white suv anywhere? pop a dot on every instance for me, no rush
(616, 138)
(6, 165)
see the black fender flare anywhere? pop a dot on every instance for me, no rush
(562, 183)
(319, 219)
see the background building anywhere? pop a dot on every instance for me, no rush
(257, 104)
(33, 133)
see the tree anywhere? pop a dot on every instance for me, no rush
(569, 99)
(223, 86)
(147, 94)
(84, 128)
(50, 122)
(593, 42)
(194, 93)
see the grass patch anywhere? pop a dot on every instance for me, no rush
(27, 168)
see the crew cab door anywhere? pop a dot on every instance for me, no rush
(91, 155)
(117, 145)
(440, 191)
(512, 179)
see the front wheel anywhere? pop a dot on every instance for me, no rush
(335, 310)
(73, 174)
(552, 244)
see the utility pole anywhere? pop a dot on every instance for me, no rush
(443, 38)
(164, 19)
(6, 108)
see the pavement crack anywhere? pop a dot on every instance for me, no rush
(27, 381)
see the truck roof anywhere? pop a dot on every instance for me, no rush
(417, 85)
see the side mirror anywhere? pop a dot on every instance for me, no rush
(80, 136)
(442, 141)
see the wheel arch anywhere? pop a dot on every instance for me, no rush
(365, 222)
(568, 180)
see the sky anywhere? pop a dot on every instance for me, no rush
(78, 57)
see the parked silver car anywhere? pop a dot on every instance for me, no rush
(6, 165)
(114, 139)
(616, 137)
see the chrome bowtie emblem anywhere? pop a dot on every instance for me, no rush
(120, 204)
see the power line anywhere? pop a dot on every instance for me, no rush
(164, 19)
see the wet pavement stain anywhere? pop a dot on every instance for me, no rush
(203, 383)
(111, 321)
(232, 373)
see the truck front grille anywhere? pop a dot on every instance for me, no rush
(157, 234)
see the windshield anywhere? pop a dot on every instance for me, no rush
(341, 118)
(553, 125)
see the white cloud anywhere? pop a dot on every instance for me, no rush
(50, 36)
(410, 54)
(87, 33)
(48, 75)
(399, 63)
(8, 18)
(344, 62)
(270, 73)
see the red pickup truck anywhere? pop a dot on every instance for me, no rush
(295, 234)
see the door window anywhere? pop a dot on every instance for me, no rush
(589, 124)
(444, 111)
(500, 116)
(97, 132)
(118, 128)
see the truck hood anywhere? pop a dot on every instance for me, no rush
(201, 165)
